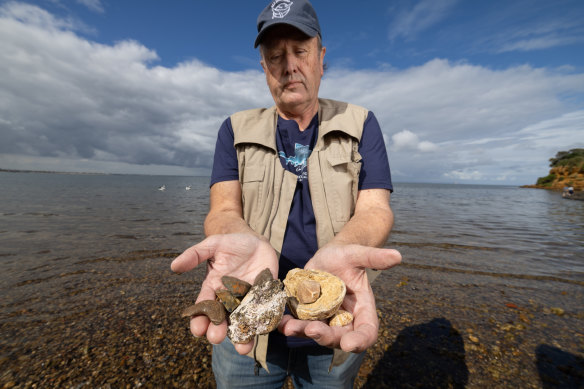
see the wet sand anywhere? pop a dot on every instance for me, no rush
(117, 324)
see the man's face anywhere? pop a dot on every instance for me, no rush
(293, 65)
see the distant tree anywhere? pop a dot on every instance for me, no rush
(574, 157)
(547, 180)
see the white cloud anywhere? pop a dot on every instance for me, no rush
(407, 23)
(529, 26)
(465, 175)
(94, 5)
(473, 114)
(64, 98)
(407, 140)
(540, 43)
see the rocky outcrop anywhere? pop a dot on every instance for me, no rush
(567, 170)
(560, 177)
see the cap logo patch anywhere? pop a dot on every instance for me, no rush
(280, 8)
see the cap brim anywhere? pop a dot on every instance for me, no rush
(302, 27)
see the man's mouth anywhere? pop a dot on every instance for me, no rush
(292, 84)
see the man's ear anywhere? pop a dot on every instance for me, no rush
(322, 53)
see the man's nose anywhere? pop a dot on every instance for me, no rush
(291, 63)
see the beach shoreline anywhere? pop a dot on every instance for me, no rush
(438, 328)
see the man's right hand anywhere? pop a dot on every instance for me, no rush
(242, 256)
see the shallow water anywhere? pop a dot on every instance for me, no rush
(495, 229)
(52, 224)
(86, 283)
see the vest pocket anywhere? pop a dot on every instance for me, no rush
(341, 180)
(252, 189)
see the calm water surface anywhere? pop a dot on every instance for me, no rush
(58, 231)
(59, 217)
(498, 229)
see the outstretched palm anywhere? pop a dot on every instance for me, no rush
(239, 255)
(347, 262)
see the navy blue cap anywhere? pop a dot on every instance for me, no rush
(297, 13)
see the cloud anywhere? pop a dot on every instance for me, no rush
(63, 96)
(69, 102)
(408, 23)
(543, 35)
(465, 175)
(31, 15)
(93, 5)
(540, 43)
(530, 26)
(407, 140)
(475, 119)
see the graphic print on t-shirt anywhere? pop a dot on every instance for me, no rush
(298, 161)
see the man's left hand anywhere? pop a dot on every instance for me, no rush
(348, 262)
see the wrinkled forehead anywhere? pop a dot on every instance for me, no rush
(281, 32)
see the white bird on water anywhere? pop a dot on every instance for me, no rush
(163, 187)
(188, 188)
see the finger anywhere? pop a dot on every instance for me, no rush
(294, 327)
(217, 333)
(325, 335)
(283, 323)
(244, 348)
(376, 258)
(360, 339)
(194, 255)
(199, 325)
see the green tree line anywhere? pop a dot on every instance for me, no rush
(573, 158)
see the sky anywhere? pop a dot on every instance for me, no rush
(469, 92)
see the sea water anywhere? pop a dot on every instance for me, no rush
(49, 222)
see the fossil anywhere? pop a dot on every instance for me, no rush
(332, 293)
(229, 301)
(260, 310)
(238, 288)
(341, 318)
(214, 310)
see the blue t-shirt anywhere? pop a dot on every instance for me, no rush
(294, 148)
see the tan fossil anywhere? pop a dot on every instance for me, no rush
(332, 293)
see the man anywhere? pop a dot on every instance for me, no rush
(305, 184)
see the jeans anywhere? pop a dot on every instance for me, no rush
(308, 367)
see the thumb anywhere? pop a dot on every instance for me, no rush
(195, 255)
(376, 258)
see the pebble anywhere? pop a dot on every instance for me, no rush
(214, 310)
(229, 301)
(341, 318)
(237, 287)
(308, 291)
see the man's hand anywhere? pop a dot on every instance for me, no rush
(238, 255)
(347, 262)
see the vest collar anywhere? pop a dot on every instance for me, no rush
(256, 125)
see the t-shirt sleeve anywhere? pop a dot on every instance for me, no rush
(225, 167)
(375, 173)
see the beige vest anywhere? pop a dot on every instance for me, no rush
(267, 188)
